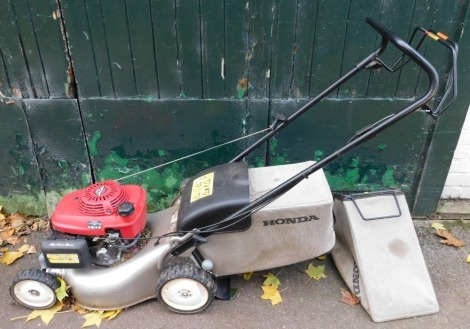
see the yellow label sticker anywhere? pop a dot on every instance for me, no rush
(202, 187)
(63, 258)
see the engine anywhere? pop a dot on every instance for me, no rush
(95, 224)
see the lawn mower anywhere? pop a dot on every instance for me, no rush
(228, 219)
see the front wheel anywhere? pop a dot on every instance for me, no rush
(184, 288)
(34, 289)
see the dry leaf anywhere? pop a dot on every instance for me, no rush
(13, 240)
(24, 248)
(247, 276)
(316, 272)
(17, 219)
(348, 298)
(31, 250)
(11, 256)
(271, 280)
(92, 319)
(6, 234)
(271, 293)
(111, 314)
(449, 239)
(438, 226)
(79, 309)
(46, 315)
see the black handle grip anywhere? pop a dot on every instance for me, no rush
(404, 47)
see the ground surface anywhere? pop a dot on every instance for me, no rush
(314, 304)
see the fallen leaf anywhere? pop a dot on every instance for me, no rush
(271, 293)
(46, 315)
(6, 234)
(316, 272)
(438, 226)
(321, 257)
(10, 256)
(348, 298)
(24, 248)
(449, 239)
(79, 309)
(468, 258)
(92, 319)
(247, 276)
(61, 292)
(271, 280)
(111, 314)
(13, 240)
(31, 250)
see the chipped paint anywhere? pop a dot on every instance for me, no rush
(162, 185)
(92, 143)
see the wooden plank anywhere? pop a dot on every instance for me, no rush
(449, 125)
(100, 48)
(283, 49)
(329, 41)
(20, 181)
(164, 38)
(436, 54)
(29, 42)
(423, 16)
(213, 48)
(360, 42)
(161, 131)
(120, 52)
(140, 30)
(303, 55)
(56, 130)
(262, 15)
(81, 47)
(50, 41)
(236, 48)
(13, 55)
(5, 87)
(388, 161)
(385, 86)
(188, 31)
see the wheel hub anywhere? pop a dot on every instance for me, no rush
(185, 293)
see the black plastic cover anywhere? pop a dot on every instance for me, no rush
(213, 195)
(65, 253)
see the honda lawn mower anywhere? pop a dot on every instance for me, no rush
(228, 219)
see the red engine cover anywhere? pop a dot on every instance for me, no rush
(93, 210)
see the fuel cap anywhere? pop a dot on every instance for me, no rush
(126, 209)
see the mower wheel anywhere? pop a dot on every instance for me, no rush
(34, 289)
(186, 289)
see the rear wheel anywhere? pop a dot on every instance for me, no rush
(34, 289)
(184, 288)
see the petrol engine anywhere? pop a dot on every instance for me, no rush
(95, 224)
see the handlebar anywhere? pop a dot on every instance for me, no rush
(450, 92)
(415, 56)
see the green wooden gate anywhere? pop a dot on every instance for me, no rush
(94, 90)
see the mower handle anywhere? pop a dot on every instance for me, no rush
(414, 55)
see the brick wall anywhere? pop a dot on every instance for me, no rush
(457, 185)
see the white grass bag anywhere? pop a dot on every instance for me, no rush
(378, 255)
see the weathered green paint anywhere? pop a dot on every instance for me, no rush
(126, 145)
(56, 129)
(161, 79)
(388, 161)
(20, 179)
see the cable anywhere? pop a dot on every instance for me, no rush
(194, 154)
